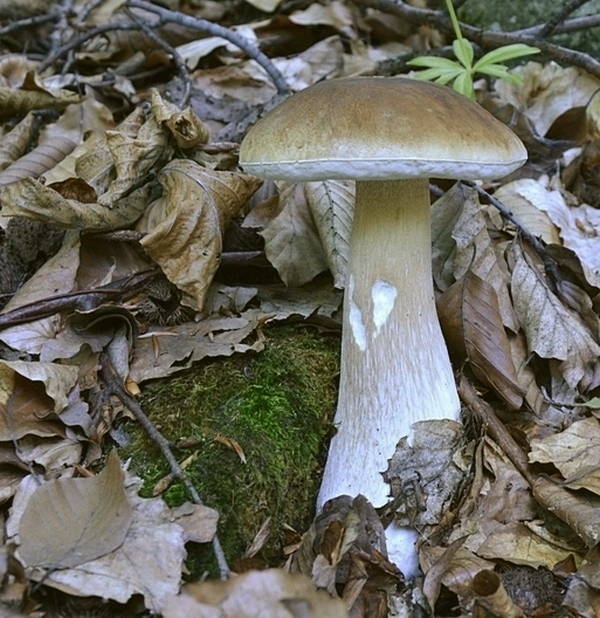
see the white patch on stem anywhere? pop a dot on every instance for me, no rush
(355, 318)
(384, 296)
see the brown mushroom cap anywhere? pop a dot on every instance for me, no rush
(379, 128)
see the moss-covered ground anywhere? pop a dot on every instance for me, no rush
(277, 405)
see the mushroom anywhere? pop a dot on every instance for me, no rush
(389, 135)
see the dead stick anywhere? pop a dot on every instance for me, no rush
(114, 384)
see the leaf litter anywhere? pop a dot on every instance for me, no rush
(148, 186)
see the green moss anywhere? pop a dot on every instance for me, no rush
(277, 405)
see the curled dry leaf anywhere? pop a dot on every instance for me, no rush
(186, 227)
(552, 329)
(29, 395)
(15, 142)
(258, 593)
(67, 522)
(580, 511)
(186, 128)
(456, 570)
(488, 586)
(471, 321)
(579, 229)
(58, 140)
(31, 198)
(547, 91)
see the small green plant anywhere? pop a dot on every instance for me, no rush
(461, 71)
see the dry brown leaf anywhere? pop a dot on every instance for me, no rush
(186, 128)
(553, 330)
(471, 321)
(272, 593)
(31, 198)
(199, 522)
(517, 543)
(164, 351)
(526, 377)
(292, 243)
(547, 91)
(579, 230)
(505, 496)
(57, 140)
(435, 462)
(26, 403)
(232, 444)
(148, 563)
(33, 94)
(488, 586)
(68, 522)
(575, 452)
(460, 567)
(444, 214)
(434, 576)
(335, 14)
(186, 227)
(524, 199)
(475, 252)
(134, 155)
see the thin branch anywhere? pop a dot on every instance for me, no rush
(555, 21)
(576, 24)
(179, 63)
(549, 264)
(486, 39)
(113, 384)
(86, 36)
(216, 30)
(29, 22)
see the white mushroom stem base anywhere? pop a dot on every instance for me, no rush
(395, 368)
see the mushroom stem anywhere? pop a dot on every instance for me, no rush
(395, 368)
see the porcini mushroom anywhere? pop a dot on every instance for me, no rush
(390, 135)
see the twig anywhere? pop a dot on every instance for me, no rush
(113, 384)
(216, 30)
(549, 264)
(83, 299)
(495, 428)
(179, 63)
(86, 36)
(485, 38)
(553, 23)
(29, 22)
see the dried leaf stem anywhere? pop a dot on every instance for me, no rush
(115, 386)
(491, 39)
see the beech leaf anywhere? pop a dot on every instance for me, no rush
(552, 329)
(472, 324)
(332, 205)
(187, 227)
(67, 522)
(292, 243)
